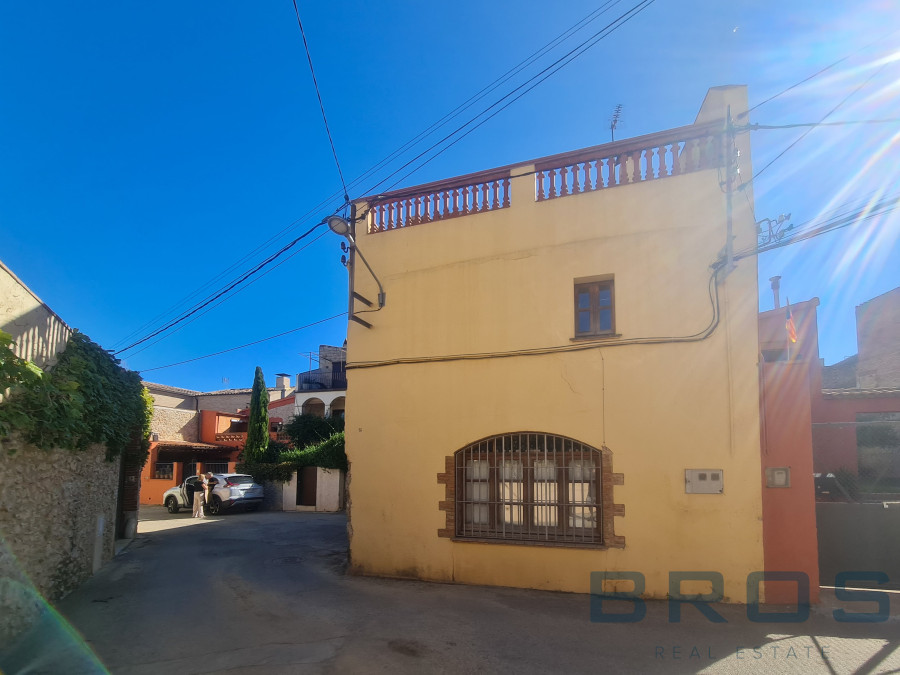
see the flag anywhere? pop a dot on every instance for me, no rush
(789, 323)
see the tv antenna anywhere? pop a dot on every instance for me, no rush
(614, 122)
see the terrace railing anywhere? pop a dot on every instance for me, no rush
(465, 196)
(637, 160)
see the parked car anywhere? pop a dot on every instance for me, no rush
(233, 489)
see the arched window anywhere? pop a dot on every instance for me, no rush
(533, 487)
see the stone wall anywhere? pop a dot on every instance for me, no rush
(175, 425)
(224, 402)
(57, 526)
(877, 328)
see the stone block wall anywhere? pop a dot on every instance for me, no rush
(57, 526)
(877, 328)
(175, 425)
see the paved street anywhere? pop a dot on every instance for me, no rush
(266, 593)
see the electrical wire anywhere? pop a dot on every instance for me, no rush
(225, 299)
(766, 127)
(806, 133)
(819, 72)
(815, 229)
(575, 28)
(713, 288)
(249, 344)
(319, 96)
(543, 75)
(222, 292)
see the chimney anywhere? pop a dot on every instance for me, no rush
(282, 381)
(776, 284)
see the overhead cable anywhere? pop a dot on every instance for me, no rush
(805, 133)
(575, 28)
(819, 72)
(222, 292)
(321, 105)
(540, 77)
(249, 344)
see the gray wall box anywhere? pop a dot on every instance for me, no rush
(778, 476)
(704, 481)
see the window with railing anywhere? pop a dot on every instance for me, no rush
(163, 470)
(530, 487)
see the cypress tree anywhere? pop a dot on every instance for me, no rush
(258, 426)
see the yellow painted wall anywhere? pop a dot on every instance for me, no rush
(503, 281)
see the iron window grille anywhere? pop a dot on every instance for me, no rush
(529, 487)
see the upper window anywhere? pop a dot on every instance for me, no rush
(594, 308)
(529, 487)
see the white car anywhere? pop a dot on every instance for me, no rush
(232, 489)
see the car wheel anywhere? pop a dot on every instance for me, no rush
(215, 506)
(172, 505)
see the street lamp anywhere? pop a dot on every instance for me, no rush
(342, 227)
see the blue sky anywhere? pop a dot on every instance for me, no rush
(149, 146)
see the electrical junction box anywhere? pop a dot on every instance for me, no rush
(704, 481)
(778, 476)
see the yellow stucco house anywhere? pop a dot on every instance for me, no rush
(562, 379)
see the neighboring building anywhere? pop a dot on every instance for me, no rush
(557, 383)
(60, 510)
(838, 407)
(323, 391)
(190, 433)
(878, 339)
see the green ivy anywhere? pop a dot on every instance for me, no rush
(85, 398)
(329, 454)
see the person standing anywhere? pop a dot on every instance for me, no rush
(199, 496)
(210, 483)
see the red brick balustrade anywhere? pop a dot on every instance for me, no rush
(636, 160)
(464, 196)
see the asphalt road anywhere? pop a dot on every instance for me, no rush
(266, 593)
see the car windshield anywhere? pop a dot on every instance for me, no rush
(239, 480)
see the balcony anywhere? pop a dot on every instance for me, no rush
(673, 152)
(322, 379)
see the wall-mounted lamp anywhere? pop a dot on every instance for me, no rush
(341, 227)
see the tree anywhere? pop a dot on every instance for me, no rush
(258, 426)
(307, 430)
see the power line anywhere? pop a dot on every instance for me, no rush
(817, 73)
(837, 222)
(225, 299)
(578, 26)
(540, 77)
(806, 133)
(699, 336)
(766, 127)
(249, 344)
(321, 105)
(222, 292)
(543, 75)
